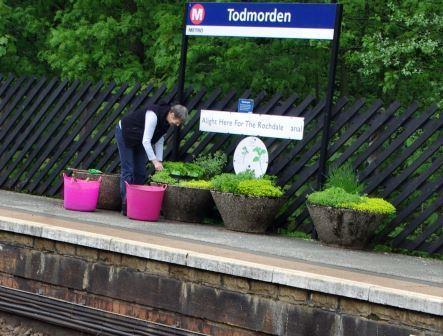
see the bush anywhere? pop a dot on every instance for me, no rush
(339, 198)
(199, 184)
(212, 164)
(344, 177)
(259, 188)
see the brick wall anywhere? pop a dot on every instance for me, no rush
(192, 299)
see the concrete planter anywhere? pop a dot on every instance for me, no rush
(187, 204)
(344, 227)
(246, 214)
(109, 197)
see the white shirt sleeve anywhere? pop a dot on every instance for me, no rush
(159, 148)
(150, 123)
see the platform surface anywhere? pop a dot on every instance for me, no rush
(397, 280)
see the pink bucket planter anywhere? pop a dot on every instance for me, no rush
(80, 195)
(144, 202)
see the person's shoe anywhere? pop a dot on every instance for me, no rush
(124, 210)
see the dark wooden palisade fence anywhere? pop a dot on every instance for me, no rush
(47, 125)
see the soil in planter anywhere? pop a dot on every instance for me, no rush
(246, 214)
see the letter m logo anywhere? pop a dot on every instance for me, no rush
(197, 14)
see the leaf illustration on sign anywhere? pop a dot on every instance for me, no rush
(259, 152)
(244, 152)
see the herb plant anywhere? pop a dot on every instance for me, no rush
(229, 182)
(199, 184)
(339, 198)
(259, 188)
(212, 164)
(163, 177)
(344, 177)
(183, 169)
(246, 184)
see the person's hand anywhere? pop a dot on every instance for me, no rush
(157, 165)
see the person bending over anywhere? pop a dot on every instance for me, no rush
(140, 137)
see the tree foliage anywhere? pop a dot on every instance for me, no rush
(388, 49)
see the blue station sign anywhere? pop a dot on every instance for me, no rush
(245, 105)
(274, 20)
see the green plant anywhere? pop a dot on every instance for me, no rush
(163, 177)
(374, 205)
(259, 188)
(334, 197)
(229, 182)
(212, 164)
(344, 177)
(295, 234)
(339, 198)
(199, 184)
(184, 169)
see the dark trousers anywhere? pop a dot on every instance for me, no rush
(133, 162)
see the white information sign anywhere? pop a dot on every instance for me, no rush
(251, 154)
(252, 124)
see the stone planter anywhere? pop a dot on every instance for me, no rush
(187, 204)
(109, 196)
(246, 214)
(344, 227)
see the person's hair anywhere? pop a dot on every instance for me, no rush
(180, 112)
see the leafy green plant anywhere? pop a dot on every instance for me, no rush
(334, 197)
(212, 164)
(338, 198)
(229, 182)
(183, 169)
(199, 184)
(374, 205)
(295, 234)
(344, 177)
(246, 184)
(163, 177)
(259, 188)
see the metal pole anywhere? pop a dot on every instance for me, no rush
(328, 108)
(181, 81)
(329, 97)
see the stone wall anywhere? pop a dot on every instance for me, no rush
(192, 299)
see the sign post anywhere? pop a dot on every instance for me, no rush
(181, 83)
(329, 97)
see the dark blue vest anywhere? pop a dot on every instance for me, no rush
(133, 124)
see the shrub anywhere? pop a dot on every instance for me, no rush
(259, 188)
(212, 164)
(163, 177)
(339, 198)
(199, 184)
(344, 177)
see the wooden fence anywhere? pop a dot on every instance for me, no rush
(47, 125)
